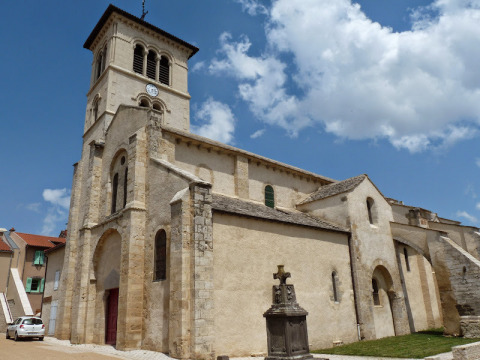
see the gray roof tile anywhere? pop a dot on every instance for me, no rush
(334, 189)
(246, 208)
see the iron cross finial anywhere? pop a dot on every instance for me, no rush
(281, 275)
(143, 11)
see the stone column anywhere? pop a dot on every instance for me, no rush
(203, 285)
(179, 334)
(63, 327)
(130, 299)
(91, 206)
(191, 322)
(362, 282)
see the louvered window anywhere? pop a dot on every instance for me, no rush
(100, 64)
(164, 76)
(269, 196)
(104, 58)
(151, 64)
(138, 59)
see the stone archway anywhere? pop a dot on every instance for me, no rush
(383, 298)
(106, 265)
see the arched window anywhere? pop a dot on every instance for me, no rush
(164, 75)
(104, 58)
(151, 64)
(375, 294)
(144, 103)
(95, 110)
(334, 286)
(407, 263)
(157, 106)
(100, 63)
(125, 182)
(269, 196)
(160, 272)
(370, 208)
(114, 192)
(138, 59)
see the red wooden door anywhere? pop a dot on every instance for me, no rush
(112, 315)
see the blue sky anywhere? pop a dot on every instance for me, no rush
(388, 88)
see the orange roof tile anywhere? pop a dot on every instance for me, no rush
(4, 247)
(40, 240)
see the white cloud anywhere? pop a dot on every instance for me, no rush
(420, 89)
(60, 197)
(477, 161)
(252, 7)
(257, 134)
(198, 66)
(55, 218)
(35, 207)
(57, 213)
(470, 191)
(478, 206)
(467, 216)
(218, 122)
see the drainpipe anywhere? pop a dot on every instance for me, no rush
(350, 251)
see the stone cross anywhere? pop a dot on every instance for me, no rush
(281, 275)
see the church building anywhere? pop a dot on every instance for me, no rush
(173, 238)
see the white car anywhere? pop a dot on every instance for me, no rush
(26, 326)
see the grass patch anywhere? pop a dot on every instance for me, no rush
(417, 345)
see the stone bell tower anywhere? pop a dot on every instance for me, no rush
(136, 63)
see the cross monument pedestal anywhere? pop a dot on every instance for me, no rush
(287, 334)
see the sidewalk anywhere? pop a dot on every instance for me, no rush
(65, 346)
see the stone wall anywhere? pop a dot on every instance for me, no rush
(467, 352)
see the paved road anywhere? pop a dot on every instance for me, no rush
(34, 349)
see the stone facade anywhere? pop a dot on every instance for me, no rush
(179, 225)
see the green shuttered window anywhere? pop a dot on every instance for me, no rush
(39, 257)
(35, 285)
(269, 196)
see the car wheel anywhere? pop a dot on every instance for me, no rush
(16, 336)
(7, 336)
(40, 338)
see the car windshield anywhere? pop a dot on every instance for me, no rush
(32, 321)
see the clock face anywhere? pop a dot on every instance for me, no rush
(152, 90)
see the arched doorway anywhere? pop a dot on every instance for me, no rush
(106, 262)
(382, 296)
